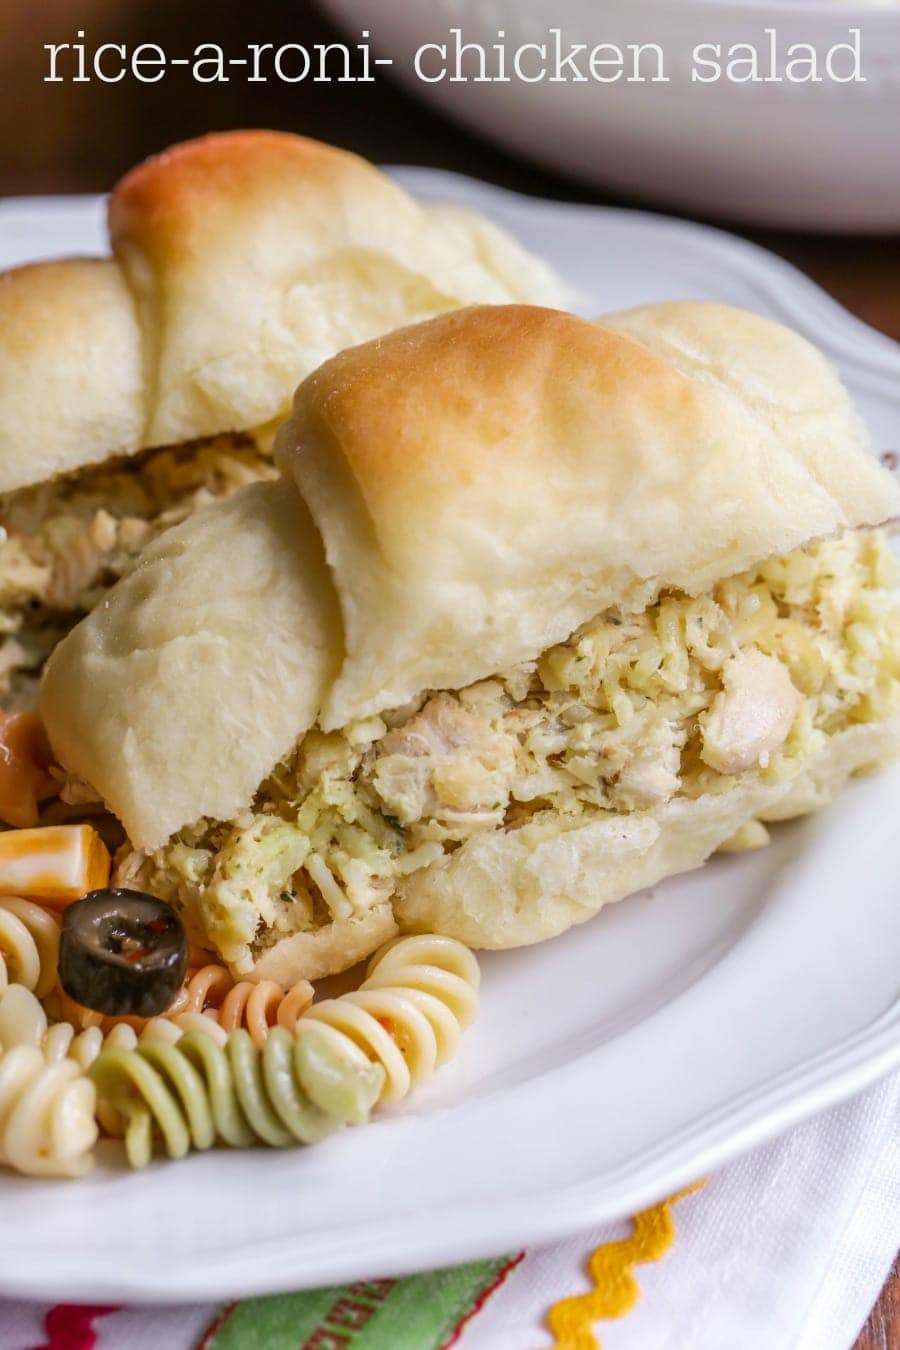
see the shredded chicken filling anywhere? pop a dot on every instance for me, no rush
(64, 543)
(631, 711)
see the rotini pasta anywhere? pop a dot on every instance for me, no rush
(197, 1091)
(419, 994)
(259, 1007)
(47, 1114)
(211, 991)
(217, 1074)
(29, 945)
(348, 1055)
(55, 1111)
(47, 1105)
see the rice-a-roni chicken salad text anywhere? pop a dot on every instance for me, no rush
(65, 542)
(631, 711)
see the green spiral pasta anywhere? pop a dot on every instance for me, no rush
(194, 1088)
(196, 1092)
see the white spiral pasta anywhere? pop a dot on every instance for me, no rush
(47, 1105)
(47, 1123)
(29, 945)
(22, 1019)
(419, 995)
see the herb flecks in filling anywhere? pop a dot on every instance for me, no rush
(631, 711)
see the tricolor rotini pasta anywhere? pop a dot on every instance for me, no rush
(347, 1055)
(419, 995)
(211, 991)
(216, 1071)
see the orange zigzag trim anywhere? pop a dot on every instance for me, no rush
(615, 1289)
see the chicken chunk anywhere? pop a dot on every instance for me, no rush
(443, 760)
(651, 775)
(752, 715)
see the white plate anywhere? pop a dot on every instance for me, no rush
(608, 1067)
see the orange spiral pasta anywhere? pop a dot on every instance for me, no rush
(259, 1007)
(211, 992)
(203, 988)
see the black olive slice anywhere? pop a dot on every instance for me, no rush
(122, 953)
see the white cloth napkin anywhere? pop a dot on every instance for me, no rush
(785, 1249)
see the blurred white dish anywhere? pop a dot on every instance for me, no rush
(812, 156)
(608, 1067)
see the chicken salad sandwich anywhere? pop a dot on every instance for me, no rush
(539, 613)
(137, 388)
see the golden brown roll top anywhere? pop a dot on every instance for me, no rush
(783, 378)
(257, 255)
(242, 261)
(483, 483)
(489, 480)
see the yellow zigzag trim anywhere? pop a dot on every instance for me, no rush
(616, 1290)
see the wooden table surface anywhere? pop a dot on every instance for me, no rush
(78, 138)
(882, 1331)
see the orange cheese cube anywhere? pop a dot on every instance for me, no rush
(57, 863)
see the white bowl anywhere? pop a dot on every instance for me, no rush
(812, 156)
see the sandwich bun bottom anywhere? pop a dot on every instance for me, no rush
(513, 890)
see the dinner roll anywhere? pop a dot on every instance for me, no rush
(489, 480)
(483, 483)
(256, 255)
(787, 381)
(242, 261)
(71, 376)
